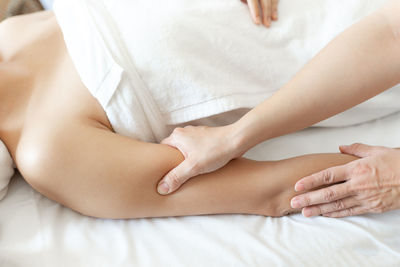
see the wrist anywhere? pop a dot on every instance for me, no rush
(237, 140)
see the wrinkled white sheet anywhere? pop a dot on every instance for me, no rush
(37, 232)
(6, 169)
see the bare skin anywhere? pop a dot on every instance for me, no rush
(63, 145)
(358, 64)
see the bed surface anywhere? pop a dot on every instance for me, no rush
(35, 231)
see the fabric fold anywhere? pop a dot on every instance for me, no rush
(6, 169)
(184, 61)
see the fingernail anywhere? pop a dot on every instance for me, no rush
(306, 212)
(275, 15)
(267, 22)
(163, 188)
(258, 20)
(295, 203)
(299, 187)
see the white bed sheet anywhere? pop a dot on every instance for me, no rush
(47, 4)
(35, 231)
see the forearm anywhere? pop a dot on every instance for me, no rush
(248, 187)
(357, 65)
(241, 187)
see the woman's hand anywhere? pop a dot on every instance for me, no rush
(263, 11)
(368, 185)
(205, 149)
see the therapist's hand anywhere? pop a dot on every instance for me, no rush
(205, 149)
(263, 11)
(367, 185)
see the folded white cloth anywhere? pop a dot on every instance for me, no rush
(6, 169)
(155, 63)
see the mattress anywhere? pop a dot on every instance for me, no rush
(37, 232)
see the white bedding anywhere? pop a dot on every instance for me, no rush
(37, 232)
(47, 4)
(152, 64)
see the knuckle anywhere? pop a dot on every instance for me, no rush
(173, 180)
(306, 200)
(329, 195)
(338, 205)
(355, 146)
(327, 176)
(349, 212)
(361, 168)
(378, 206)
(318, 210)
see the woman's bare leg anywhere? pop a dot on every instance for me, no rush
(102, 174)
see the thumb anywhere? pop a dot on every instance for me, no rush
(358, 150)
(175, 178)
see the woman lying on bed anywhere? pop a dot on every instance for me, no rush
(63, 144)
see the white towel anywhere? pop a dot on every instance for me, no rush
(6, 169)
(153, 63)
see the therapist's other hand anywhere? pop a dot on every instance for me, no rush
(263, 11)
(205, 149)
(367, 185)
